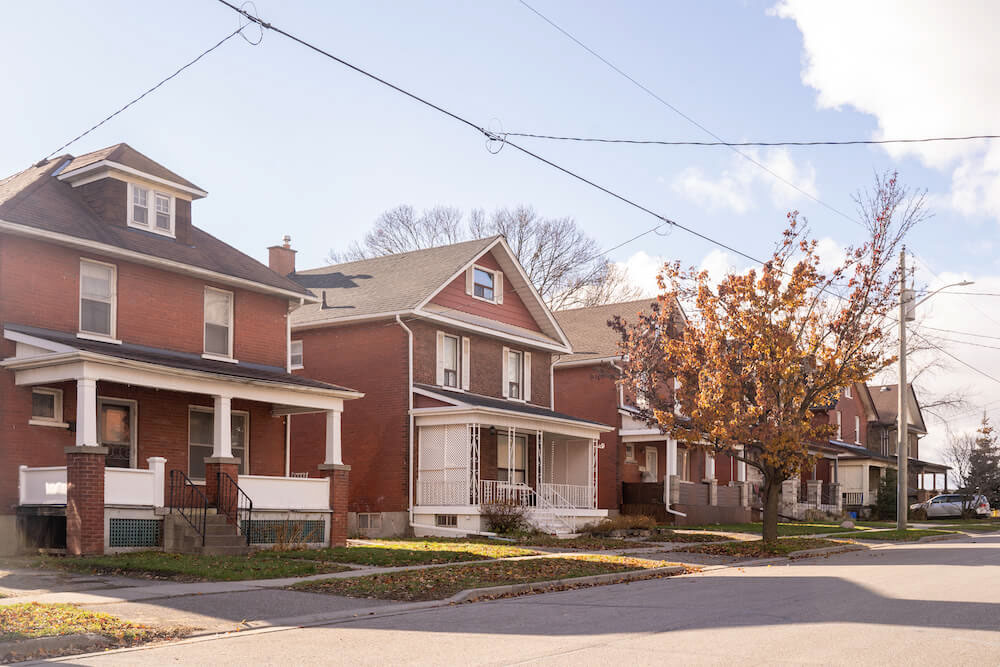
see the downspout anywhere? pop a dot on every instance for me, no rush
(409, 402)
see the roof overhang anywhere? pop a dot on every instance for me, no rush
(117, 252)
(97, 170)
(594, 361)
(41, 361)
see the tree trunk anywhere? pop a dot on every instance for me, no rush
(772, 492)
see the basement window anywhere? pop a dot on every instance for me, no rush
(369, 521)
(446, 520)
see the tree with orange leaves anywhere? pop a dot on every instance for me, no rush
(766, 352)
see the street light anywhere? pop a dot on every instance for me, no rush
(907, 310)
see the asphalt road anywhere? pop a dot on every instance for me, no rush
(936, 603)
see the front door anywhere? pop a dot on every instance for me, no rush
(117, 432)
(652, 465)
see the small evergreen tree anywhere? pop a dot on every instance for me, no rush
(984, 463)
(885, 502)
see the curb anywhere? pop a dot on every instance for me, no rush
(88, 641)
(474, 594)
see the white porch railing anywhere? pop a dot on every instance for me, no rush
(287, 493)
(567, 495)
(494, 491)
(122, 486)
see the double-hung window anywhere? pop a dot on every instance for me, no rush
(150, 210)
(512, 458)
(483, 283)
(201, 439)
(857, 429)
(295, 355)
(515, 374)
(97, 298)
(218, 322)
(452, 360)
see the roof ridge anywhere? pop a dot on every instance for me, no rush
(607, 305)
(330, 268)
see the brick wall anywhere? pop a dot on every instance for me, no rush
(372, 358)
(485, 362)
(155, 307)
(589, 392)
(850, 408)
(85, 502)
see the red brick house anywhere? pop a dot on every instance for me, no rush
(143, 356)
(641, 469)
(453, 348)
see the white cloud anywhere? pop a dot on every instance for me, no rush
(737, 187)
(922, 69)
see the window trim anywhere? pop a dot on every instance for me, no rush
(204, 326)
(458, 361)
(857, 430)
(57, 408)
(847, 392)
(493, 275)
(629, 453)
(518, 439)
(292, 366)
(150, 224)
(112, 336)
(133, 407)
(520, 383)
(244, 460)
(446, 520)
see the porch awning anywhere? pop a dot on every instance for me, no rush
(499, 411)
(44, 355)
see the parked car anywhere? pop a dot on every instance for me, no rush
(950, 505)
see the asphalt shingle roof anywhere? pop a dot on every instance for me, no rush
(382, 284)
(588, 330)
(35, 198)
(502, 404)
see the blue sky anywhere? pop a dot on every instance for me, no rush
(287, 142)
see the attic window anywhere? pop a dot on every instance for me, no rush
(159, 220)
(483, 284)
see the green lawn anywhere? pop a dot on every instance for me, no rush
(673, 536)
(760, 549)
(29, 620)
(191, 567)
(974, 525)
(784, 529)
(438, 583)
(908, 535)
(385, 553)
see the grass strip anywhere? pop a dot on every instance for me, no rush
(784, 529)
(672, 536)
(393, 553)
(908, 535)
(30, 620)
(191, 567)
(759, 548)
(439, 583)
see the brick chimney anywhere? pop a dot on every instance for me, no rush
(281, 258)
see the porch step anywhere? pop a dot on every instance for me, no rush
(221, 536)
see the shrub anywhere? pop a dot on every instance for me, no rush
(621, 522)
(505, 518)
(918, 514)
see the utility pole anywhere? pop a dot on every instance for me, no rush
(902, 423)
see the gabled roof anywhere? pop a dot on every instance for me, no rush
(125, 155)
(406, 282)
(36, 203)
(886, 400)
(589, 332)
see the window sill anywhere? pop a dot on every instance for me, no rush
(46, 422)
(296, 368)
(99, 338)
(219, 357)
(482, 298)
(152, 229)
(450, 388)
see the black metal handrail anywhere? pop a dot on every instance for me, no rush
(235, 504)
(188, 500)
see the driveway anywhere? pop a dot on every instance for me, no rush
(929, 603)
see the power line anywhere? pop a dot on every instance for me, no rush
(493, 136)
(964, 363)
(959, 292)
(684, 115)
(961, 333)
(181, 69)
(759, 144)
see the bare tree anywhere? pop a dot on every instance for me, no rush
(561, 260)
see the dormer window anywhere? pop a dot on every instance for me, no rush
(160, 219)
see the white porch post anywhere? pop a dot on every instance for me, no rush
(539, 456)
(511, 435)
(86, 413)
(333, 445)
(158, 465)
(741, 471)
(709, 466)
(593, 473)
(474, 462)
(671, 469)
(223, 428)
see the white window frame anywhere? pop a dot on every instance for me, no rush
(629, 452)
(113, 302)
(847, 392)
(150, 224)
(493, 274)
(244, 460)
(232, 326)
(56, 419)
(291, 355)
(840, 434)
(857, 429)
(510, 381)
(373, 519)
(520, 442)
(445, 338)
(133, 407)
(446, 520)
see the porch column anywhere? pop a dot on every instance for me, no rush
(339, 476)
(670, 478)
(709, 466)
(221, 460)
(85, 500)
(333, 443)
(511, 435)
(741, 471)
(86, 413)
(814, 491)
